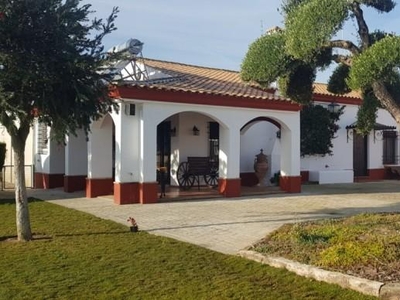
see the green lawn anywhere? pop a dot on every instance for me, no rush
(91, 258)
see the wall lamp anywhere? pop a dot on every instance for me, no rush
(333, 107)
(196, 131)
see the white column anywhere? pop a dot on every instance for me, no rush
(57, 158)
(127, 145)
(50, 158)
(76, 155)
(290, 150)
(148, 145)
(100, 162)
(229, 153)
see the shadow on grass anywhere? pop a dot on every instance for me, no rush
(12, 200)
(94, 233)
(7, 237)
(44, 237)
(35, 237)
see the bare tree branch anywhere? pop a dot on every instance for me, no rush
(344, 59)
(344, 44)
(363, 30)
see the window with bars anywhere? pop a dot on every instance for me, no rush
(42, 138)
(213, 140)
(389, 147)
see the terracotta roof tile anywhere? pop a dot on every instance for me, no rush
(197, 79)
(321, 88)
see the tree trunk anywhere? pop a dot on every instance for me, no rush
(18, 141)
(386, 100)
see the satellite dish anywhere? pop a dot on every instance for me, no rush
(132, 46)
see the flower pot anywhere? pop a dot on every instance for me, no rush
(134, 229)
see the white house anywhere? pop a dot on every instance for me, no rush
(354, 157)
(170, 112)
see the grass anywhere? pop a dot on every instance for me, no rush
(365, 245)
(90, 258)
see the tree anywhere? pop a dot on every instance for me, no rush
(293, 55)
(51, 57)
(317, 129)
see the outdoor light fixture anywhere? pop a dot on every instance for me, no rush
(278, 134)
(196, 131)
(173, 131)
(333, 107)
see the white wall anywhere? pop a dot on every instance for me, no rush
(100, 163)
(342, 151)
(260, 135)
(189, 144)
(342, 156)
(76, 157)
(57, 158)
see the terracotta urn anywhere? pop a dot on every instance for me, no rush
(261, 167)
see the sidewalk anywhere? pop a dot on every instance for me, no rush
(229, 225)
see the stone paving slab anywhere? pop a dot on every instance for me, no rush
(229, 225)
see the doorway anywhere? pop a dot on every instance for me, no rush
(164, 149)
(360, 155)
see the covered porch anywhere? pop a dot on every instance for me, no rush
(154, 128)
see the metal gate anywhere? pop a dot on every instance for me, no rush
(8, 181)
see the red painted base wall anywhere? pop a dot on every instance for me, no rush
(135, 192)
(377, 174)
(74, 183)
(229, 187)
(48, 181)
(148, 192)
(98, 187)
(290, 184)
(248, 179)
(305, 176)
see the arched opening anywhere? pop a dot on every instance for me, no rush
(260, 136)
(188, 155)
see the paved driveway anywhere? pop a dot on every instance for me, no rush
(229, 225)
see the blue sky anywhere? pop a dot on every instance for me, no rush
(212, 33)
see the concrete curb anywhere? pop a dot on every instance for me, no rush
(365, 286)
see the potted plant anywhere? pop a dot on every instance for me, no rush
(134, 226)
(275, 179)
